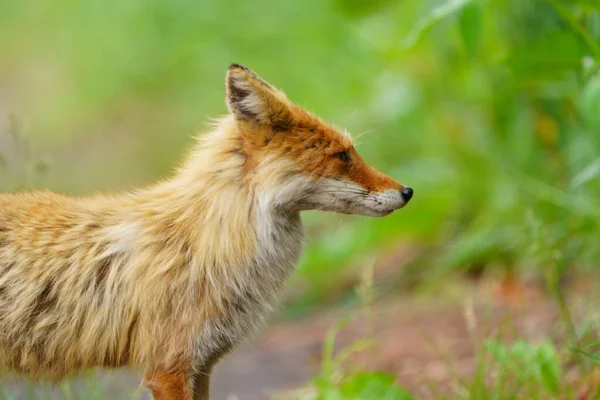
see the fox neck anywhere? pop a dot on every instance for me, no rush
(225, 246)
(228, 216)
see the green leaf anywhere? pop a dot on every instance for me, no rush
(374, 386)
(590, 105)
(498, 350)
(594, 23)
(549, 366)
(470, 21)
(587, 174)
(522, 352)
(554, 57)
(436, 15)
(327, 391)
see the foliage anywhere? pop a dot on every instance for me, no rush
(489, 109)
(486, 107)
(363, 386)
(514, 179)
(527, 363)
(340, 378)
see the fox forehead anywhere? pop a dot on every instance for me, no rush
(316, 130)
(309, 132)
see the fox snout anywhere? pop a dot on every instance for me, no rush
(388, 201)
(385, 194)
(406, 193)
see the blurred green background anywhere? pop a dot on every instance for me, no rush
(489, 109)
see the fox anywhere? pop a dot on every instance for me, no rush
(169, 278)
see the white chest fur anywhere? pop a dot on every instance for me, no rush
(256, 292)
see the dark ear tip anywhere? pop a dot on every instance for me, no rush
(237, 66)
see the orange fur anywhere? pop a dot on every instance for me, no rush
(169, 386)
(171, 277)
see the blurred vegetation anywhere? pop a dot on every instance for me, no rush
(522, 370)
(489, 109)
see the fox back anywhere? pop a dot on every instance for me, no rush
(171, 277)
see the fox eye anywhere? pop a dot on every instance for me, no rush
(342, 155)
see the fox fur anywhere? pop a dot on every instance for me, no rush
(170, 278)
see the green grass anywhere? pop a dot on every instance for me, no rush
(506, 367)
(521, 370)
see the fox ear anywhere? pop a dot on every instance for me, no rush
(251, 99)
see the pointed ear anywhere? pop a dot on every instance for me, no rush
(251, 99)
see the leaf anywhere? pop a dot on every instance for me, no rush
(594, 22)
(549, 366)
(522, 352)
(360, 8)
(590, 104)
(498, 350)
(589, 3)
(590, 172)
(327, 391)
(553, 57)
(469, 24)
(433, 18)
(374, 386)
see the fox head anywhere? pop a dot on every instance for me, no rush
(300, 161)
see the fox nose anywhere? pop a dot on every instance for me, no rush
(406, 194)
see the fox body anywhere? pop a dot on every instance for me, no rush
(170, 278)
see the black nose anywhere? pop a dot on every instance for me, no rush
(406, 193)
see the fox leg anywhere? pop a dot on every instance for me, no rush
(169, 385)
(201, 377)
(201, 382)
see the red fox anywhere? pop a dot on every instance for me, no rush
(168, 279)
